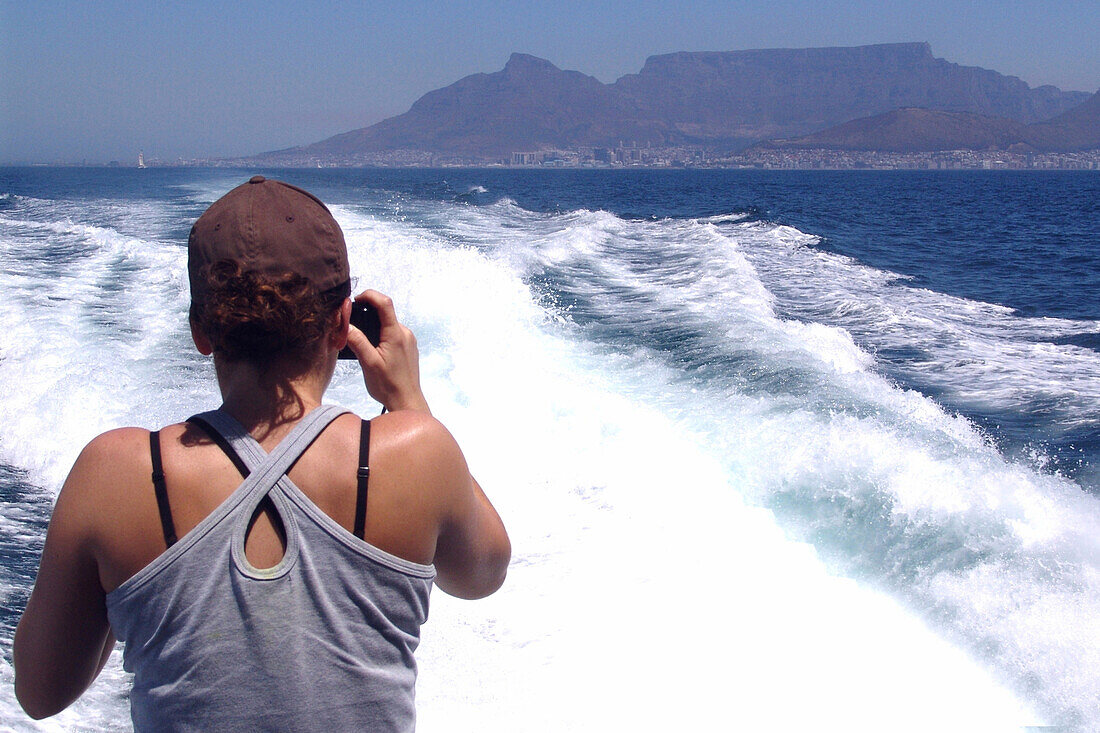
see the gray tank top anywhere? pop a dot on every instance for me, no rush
(322, 641)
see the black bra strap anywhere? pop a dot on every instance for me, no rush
(161, 490)
(222, 443)
(361, 476)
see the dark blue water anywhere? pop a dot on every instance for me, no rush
(1029, 241)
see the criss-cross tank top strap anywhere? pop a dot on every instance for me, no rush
(266, 472)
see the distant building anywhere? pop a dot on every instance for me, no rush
(526, 158)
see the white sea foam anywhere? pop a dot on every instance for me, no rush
(724, 218)
(977, 354)
(81, 343)
(619, 511)
(656, 583)
(905, 495)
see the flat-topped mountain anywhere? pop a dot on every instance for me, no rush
(783, 92)
(721, 100)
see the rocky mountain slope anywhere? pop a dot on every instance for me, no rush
(1077, 129)
(915, 130)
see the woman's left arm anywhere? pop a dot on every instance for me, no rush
(63, 639)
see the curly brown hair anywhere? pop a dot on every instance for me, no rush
(255, 317)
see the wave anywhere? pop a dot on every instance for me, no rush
(473, 195)
(725, 218)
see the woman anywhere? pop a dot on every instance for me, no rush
(293, 600)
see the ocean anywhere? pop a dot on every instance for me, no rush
(777, 450)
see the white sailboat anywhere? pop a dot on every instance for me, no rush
(141, 159)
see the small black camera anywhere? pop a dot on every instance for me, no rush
(364, 316)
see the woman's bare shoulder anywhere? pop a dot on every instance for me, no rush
(418, 437)
(110, 469)
(109, 455)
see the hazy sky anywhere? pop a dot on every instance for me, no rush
(100, 80)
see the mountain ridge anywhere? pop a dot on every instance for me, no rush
(720, 100)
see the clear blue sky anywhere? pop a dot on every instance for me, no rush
(100, 80)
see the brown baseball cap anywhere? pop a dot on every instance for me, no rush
(272, 228)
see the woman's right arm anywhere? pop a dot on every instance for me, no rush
(473, 553)
(472, 549)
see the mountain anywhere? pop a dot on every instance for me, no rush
(528, 105)
(917, 130)
(720, 100)
(786, 92)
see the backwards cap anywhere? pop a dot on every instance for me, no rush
(272, 228)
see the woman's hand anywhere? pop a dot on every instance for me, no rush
(391, 370)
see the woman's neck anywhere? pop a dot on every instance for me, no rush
(269, 400)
